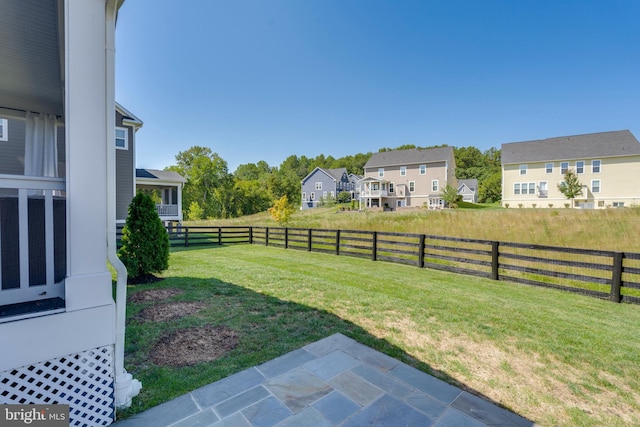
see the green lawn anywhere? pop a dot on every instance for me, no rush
(553, 357)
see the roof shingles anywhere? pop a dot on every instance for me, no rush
(588, 146)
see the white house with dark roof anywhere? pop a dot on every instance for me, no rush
(322, 184)
(168, 186)
(468, 189)
(407, 178)
(61, 331)
(606, 163)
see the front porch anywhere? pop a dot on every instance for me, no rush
(166, 188)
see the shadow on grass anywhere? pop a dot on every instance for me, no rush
(267, 327)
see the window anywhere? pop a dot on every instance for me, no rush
(324, 194)
(434, 185)
(403, 170)
(380, 172)
(532, 188)
(319, 185)
(423, 169)
(412, 186)
(548, 167)
(313, 195)
(580, 166)
(618, 204)
(4, 130)
(523, 169)
(595, 166)
(122, 139)
(564, 167)
(391, 187)
(516, 188)
(333, 195)
(595, 185)
(304, 196)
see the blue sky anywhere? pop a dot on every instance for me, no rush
(262, 80)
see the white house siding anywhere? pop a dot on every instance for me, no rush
(84, 334)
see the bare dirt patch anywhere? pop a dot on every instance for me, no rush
(194, 345)
(153, 295)
(169, 311)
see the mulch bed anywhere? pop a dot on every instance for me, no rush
(169, 311)
(194, 345)
(153, 295)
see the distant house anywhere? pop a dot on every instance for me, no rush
(468, 189)
(606, 163)
(355, 186)
(407, 178)
(166, 186)
(323, 184)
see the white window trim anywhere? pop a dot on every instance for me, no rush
(304, 196)
(380, 172)
(546, 169)
(313, 196)
(599, 165)
(422, 169)
(318, 185)
(564, 163)
(412, 183)
(435, 187)
(4, 136)
(523, 169)
(403, 171)
(126, 138)
(392, 187)
(519, 188)
(583, 166)
(599, 186)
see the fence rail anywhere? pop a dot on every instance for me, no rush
(602, 274)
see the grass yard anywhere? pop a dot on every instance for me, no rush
(553, 357)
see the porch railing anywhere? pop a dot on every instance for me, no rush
(32, 239)
(374, 193)
(167, 210)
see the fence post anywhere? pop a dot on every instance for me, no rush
(337, 242)
(266, 236)
(374, 246)
(286, 238)
(186, 237)
(219, 236)
(495, 255)
(616, 278)
(421, 251)
(309, 240)
(250, 235)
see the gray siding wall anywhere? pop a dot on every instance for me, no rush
(12, 151)
(124, 173)
(309, 186)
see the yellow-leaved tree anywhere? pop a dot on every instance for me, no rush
(281, 211)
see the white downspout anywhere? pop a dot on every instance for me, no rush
(125, 386)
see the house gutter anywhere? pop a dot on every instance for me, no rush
(125, 386)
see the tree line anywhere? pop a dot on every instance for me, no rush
(212, 191)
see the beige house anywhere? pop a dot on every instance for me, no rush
(607, 165)
(407, 178)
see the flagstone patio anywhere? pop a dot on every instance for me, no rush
(332, 382)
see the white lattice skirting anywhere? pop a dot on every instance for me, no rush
(84, 381)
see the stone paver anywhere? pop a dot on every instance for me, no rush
(332, 382)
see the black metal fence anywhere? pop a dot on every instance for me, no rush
(602, 274)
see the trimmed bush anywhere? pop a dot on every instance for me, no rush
(145, 242)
